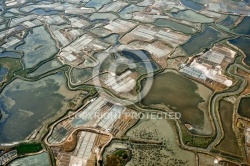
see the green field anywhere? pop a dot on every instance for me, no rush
(26, 148)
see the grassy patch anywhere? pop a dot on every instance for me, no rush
(194, 140)
(12, 65)
(25, 148)
(118, 158)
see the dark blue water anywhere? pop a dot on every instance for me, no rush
(243, 43)
(148, 65)
(203, 40)
(8, 54)
(193, 5)
(19, 28)
(229, 21)
(43, 12)
(243, 27)
(136, 55)
(141, 58)
(3, 72)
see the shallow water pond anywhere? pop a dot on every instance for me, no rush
(44, 12)
(127, 12)
(229, 21)
(26, 103)
(170, 154)
(243, 43)
(181, 95)
(103, 16)
(35, 160)
(3, 72)
(193, 5)
(46, 67)
(97, 3)
(161, 22)
(243, 27)
(192, 16)
(7, 54)
(244, 107)
(38, 46)
(204, 39)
